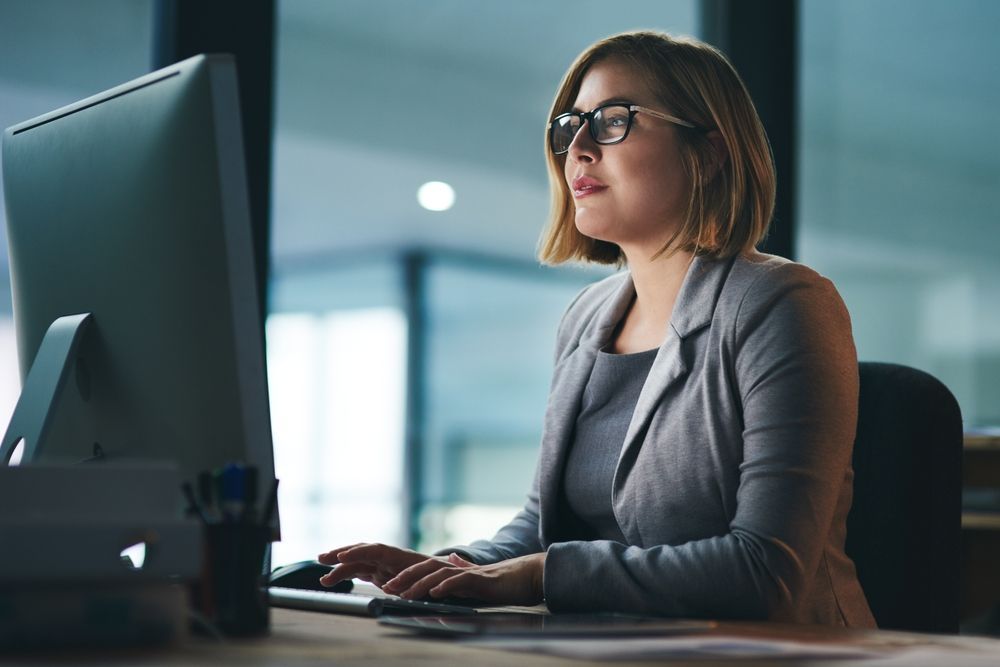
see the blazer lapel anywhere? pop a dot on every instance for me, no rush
(570, 377)
(692, 311)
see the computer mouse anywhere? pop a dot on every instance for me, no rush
(305, 575)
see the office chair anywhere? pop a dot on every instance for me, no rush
(904, 528)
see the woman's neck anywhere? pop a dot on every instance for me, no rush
(657, 283)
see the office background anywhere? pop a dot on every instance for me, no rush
(406, 400)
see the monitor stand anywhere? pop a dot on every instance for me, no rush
(43, 387)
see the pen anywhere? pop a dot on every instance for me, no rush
(249, 494)
(205, 493)
(233, 499)
(193, 506)
(217, 487)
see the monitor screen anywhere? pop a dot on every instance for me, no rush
(132, 206)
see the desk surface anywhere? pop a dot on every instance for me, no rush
(308, 638)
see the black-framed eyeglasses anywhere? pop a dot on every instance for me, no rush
(608, 124)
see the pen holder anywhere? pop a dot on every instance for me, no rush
(233, 590)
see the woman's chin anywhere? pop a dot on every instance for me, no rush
(597, 232)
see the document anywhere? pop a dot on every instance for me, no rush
(735, 647)
(660, 648)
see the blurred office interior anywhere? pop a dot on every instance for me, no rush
(409, 350)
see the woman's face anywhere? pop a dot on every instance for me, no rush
(633, 193)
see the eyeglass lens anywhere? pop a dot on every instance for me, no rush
(608, 125)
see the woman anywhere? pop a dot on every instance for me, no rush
(695, 459)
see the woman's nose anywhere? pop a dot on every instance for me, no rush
(583, 148)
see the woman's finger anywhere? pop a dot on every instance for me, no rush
(364, 552)
(330, 557)
(406, 577)
(341, 572)
(513, 581)
(455, 559)
(420, 588)
(464, 584)
(391, 558)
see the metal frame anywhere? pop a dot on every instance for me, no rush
(244, 28)
(761, 39)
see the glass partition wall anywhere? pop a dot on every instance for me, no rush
(373, 100)
(900, 182)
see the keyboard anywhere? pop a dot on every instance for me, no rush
(359, 604)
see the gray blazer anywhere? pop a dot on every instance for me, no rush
(734, 482)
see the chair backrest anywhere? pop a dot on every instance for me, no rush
(904, 529)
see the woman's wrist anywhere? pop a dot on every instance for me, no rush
(539, 576)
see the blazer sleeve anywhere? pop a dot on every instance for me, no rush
(521, 536)
(517, 538)
(794, 367)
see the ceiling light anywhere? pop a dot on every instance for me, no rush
(436, 196)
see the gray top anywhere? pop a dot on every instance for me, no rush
(605, 412)
(734, 482)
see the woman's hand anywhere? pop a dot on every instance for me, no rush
(513, 581)
(374, 563)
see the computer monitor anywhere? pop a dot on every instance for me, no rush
(131, 206)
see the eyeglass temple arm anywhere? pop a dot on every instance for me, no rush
(660, 114)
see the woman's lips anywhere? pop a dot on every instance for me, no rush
(585, 186)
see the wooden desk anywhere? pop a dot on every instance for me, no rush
(308, 638)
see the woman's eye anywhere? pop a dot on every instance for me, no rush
(616, 120)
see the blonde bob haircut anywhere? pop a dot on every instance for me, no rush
(730, 204)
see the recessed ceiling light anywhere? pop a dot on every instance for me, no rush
(436, 196)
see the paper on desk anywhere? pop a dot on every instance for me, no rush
(914, 652)
(659, 648)
(936, 657)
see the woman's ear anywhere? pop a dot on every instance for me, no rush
(719, 154)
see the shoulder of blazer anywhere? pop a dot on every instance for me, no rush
(757, 280)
